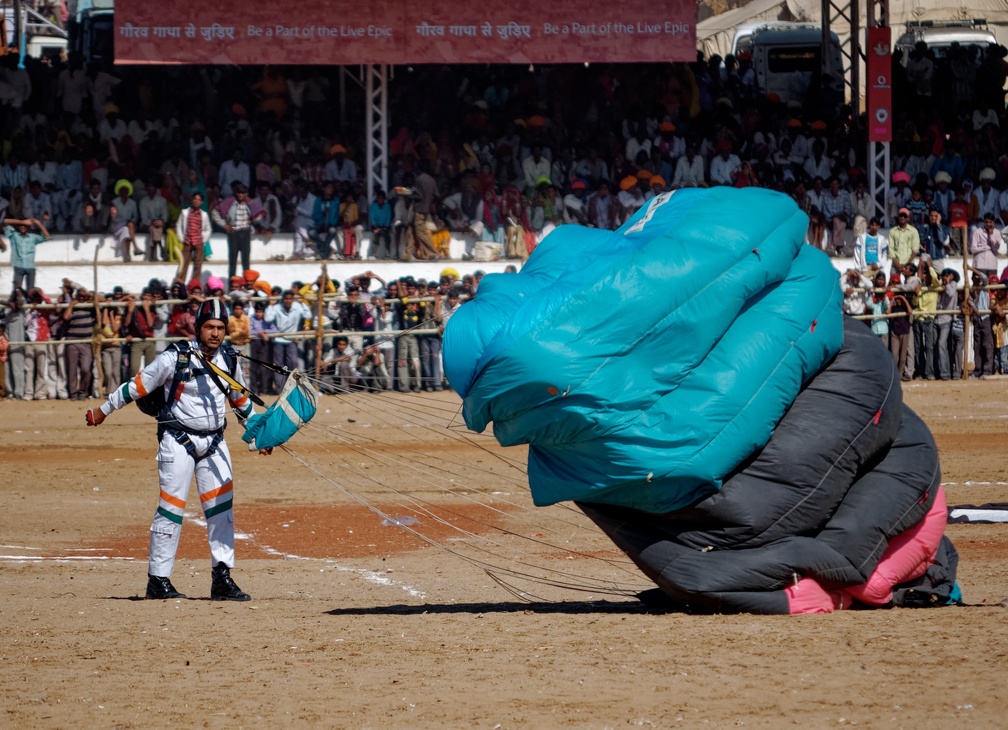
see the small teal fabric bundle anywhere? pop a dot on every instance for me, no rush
(644, 365)
(295, 406)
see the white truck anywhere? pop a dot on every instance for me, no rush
(941, 34)
(787, 57)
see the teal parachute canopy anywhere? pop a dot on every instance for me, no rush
(643, 365)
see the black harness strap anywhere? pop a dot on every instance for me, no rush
(183, 439)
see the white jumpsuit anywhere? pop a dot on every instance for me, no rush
(192, 442)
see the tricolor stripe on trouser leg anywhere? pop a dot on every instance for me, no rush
(175, 471)
(213, 481)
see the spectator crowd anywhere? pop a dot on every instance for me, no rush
(499, 155)
(374, 335)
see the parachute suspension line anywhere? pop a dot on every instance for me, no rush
(354, 398)
(494, 571)
(465, 437)
(423, 506)
(415, 503)
(421, 411)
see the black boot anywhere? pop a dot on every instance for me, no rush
(160, 587)
(223, 588)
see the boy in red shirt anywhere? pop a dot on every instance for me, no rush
(958, 221)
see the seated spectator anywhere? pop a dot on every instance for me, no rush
(38, 203)
(725, 165)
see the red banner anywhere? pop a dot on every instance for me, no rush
(879, 85)
(392, 32)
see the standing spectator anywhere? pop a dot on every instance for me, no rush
(239, 330)
(934, 236)
(408, 371)
(985, 243)
(904, 240)
(124, 217)
(385, 324)
(153, 218)
(236, 216)
(380, 221)
(193, 231)
(23, 246)
(900, 331)
(162, 313)
(924, 325)
(983, 340)
(80, 325)
(948, 300)
(287, 315)
(72, 87)
(428, 193)
(871, 249)
(352, 317)
(430, 345)
(14, 320)
(139, 326)
(261, 348)
(39, 384)
(878, 305)
(111, 347)
(959, 218)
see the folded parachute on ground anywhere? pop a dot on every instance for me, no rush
(689, 380)
(294, 407)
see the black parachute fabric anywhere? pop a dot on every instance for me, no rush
(848, 468)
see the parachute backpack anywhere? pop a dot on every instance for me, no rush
(294, 407)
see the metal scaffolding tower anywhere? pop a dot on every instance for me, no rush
(846, 14)
(878, 152)
(376, 127)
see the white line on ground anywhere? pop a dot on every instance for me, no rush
(368, 575)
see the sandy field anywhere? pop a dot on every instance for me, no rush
(388, 554)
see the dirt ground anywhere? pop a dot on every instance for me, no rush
(361, 624)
